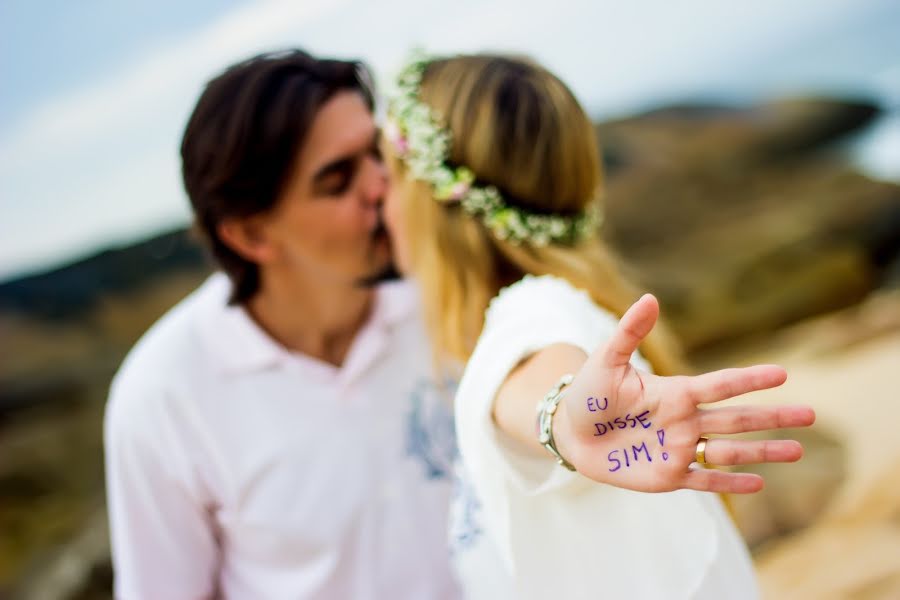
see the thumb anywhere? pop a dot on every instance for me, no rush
(634, 326)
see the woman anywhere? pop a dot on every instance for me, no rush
(494, 209)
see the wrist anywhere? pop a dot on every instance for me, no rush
(563, 433)
(547, 409)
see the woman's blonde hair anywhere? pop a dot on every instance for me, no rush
(519, 128)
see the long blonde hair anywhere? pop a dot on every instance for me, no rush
(519, 128)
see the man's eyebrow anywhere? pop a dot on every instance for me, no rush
(343, 163)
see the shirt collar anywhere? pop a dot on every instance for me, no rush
(242, 346)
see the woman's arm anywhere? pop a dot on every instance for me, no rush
(514, 406)
(635, 430)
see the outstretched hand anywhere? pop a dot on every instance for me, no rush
(640, 431)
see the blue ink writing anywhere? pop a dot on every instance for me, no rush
(612, 459)
(661, 436)
(593, 404)
(620, 423)
(636, 451)
(642, 419)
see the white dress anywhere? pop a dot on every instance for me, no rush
(524, 527)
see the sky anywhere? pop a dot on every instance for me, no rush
(94, 94)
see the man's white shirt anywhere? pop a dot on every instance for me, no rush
(237, 469)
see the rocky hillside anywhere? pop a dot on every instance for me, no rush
(746, 220)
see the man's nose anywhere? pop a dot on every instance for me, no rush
(374, 180)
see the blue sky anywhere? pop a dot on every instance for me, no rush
(49, 47)
(94, 94)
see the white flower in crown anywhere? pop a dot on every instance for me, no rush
(419, 139)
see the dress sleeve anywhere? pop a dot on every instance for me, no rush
(163, 541)
(535, 313)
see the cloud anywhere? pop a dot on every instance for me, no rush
(102, 109)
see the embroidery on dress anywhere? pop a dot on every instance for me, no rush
(465, 514)
(431, 435)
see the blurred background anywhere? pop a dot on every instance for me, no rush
(752, 154)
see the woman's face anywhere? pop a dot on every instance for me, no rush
(393, 216)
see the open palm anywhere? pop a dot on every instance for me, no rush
(640, 431)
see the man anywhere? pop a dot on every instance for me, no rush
(276, 434)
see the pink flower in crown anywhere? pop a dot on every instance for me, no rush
(459, 190)
(396, 137)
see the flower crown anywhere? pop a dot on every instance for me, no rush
(419, 139)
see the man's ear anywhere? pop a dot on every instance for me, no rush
(248, 238)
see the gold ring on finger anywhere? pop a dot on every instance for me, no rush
(701, 450)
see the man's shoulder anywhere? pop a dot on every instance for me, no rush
(173, 346)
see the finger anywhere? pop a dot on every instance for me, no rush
(728, 383)
(710, 480)
(633, 327)
(739, 419)
(746, 452)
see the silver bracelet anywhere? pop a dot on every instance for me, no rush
(546, 409)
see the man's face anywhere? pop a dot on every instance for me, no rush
(327, 223)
